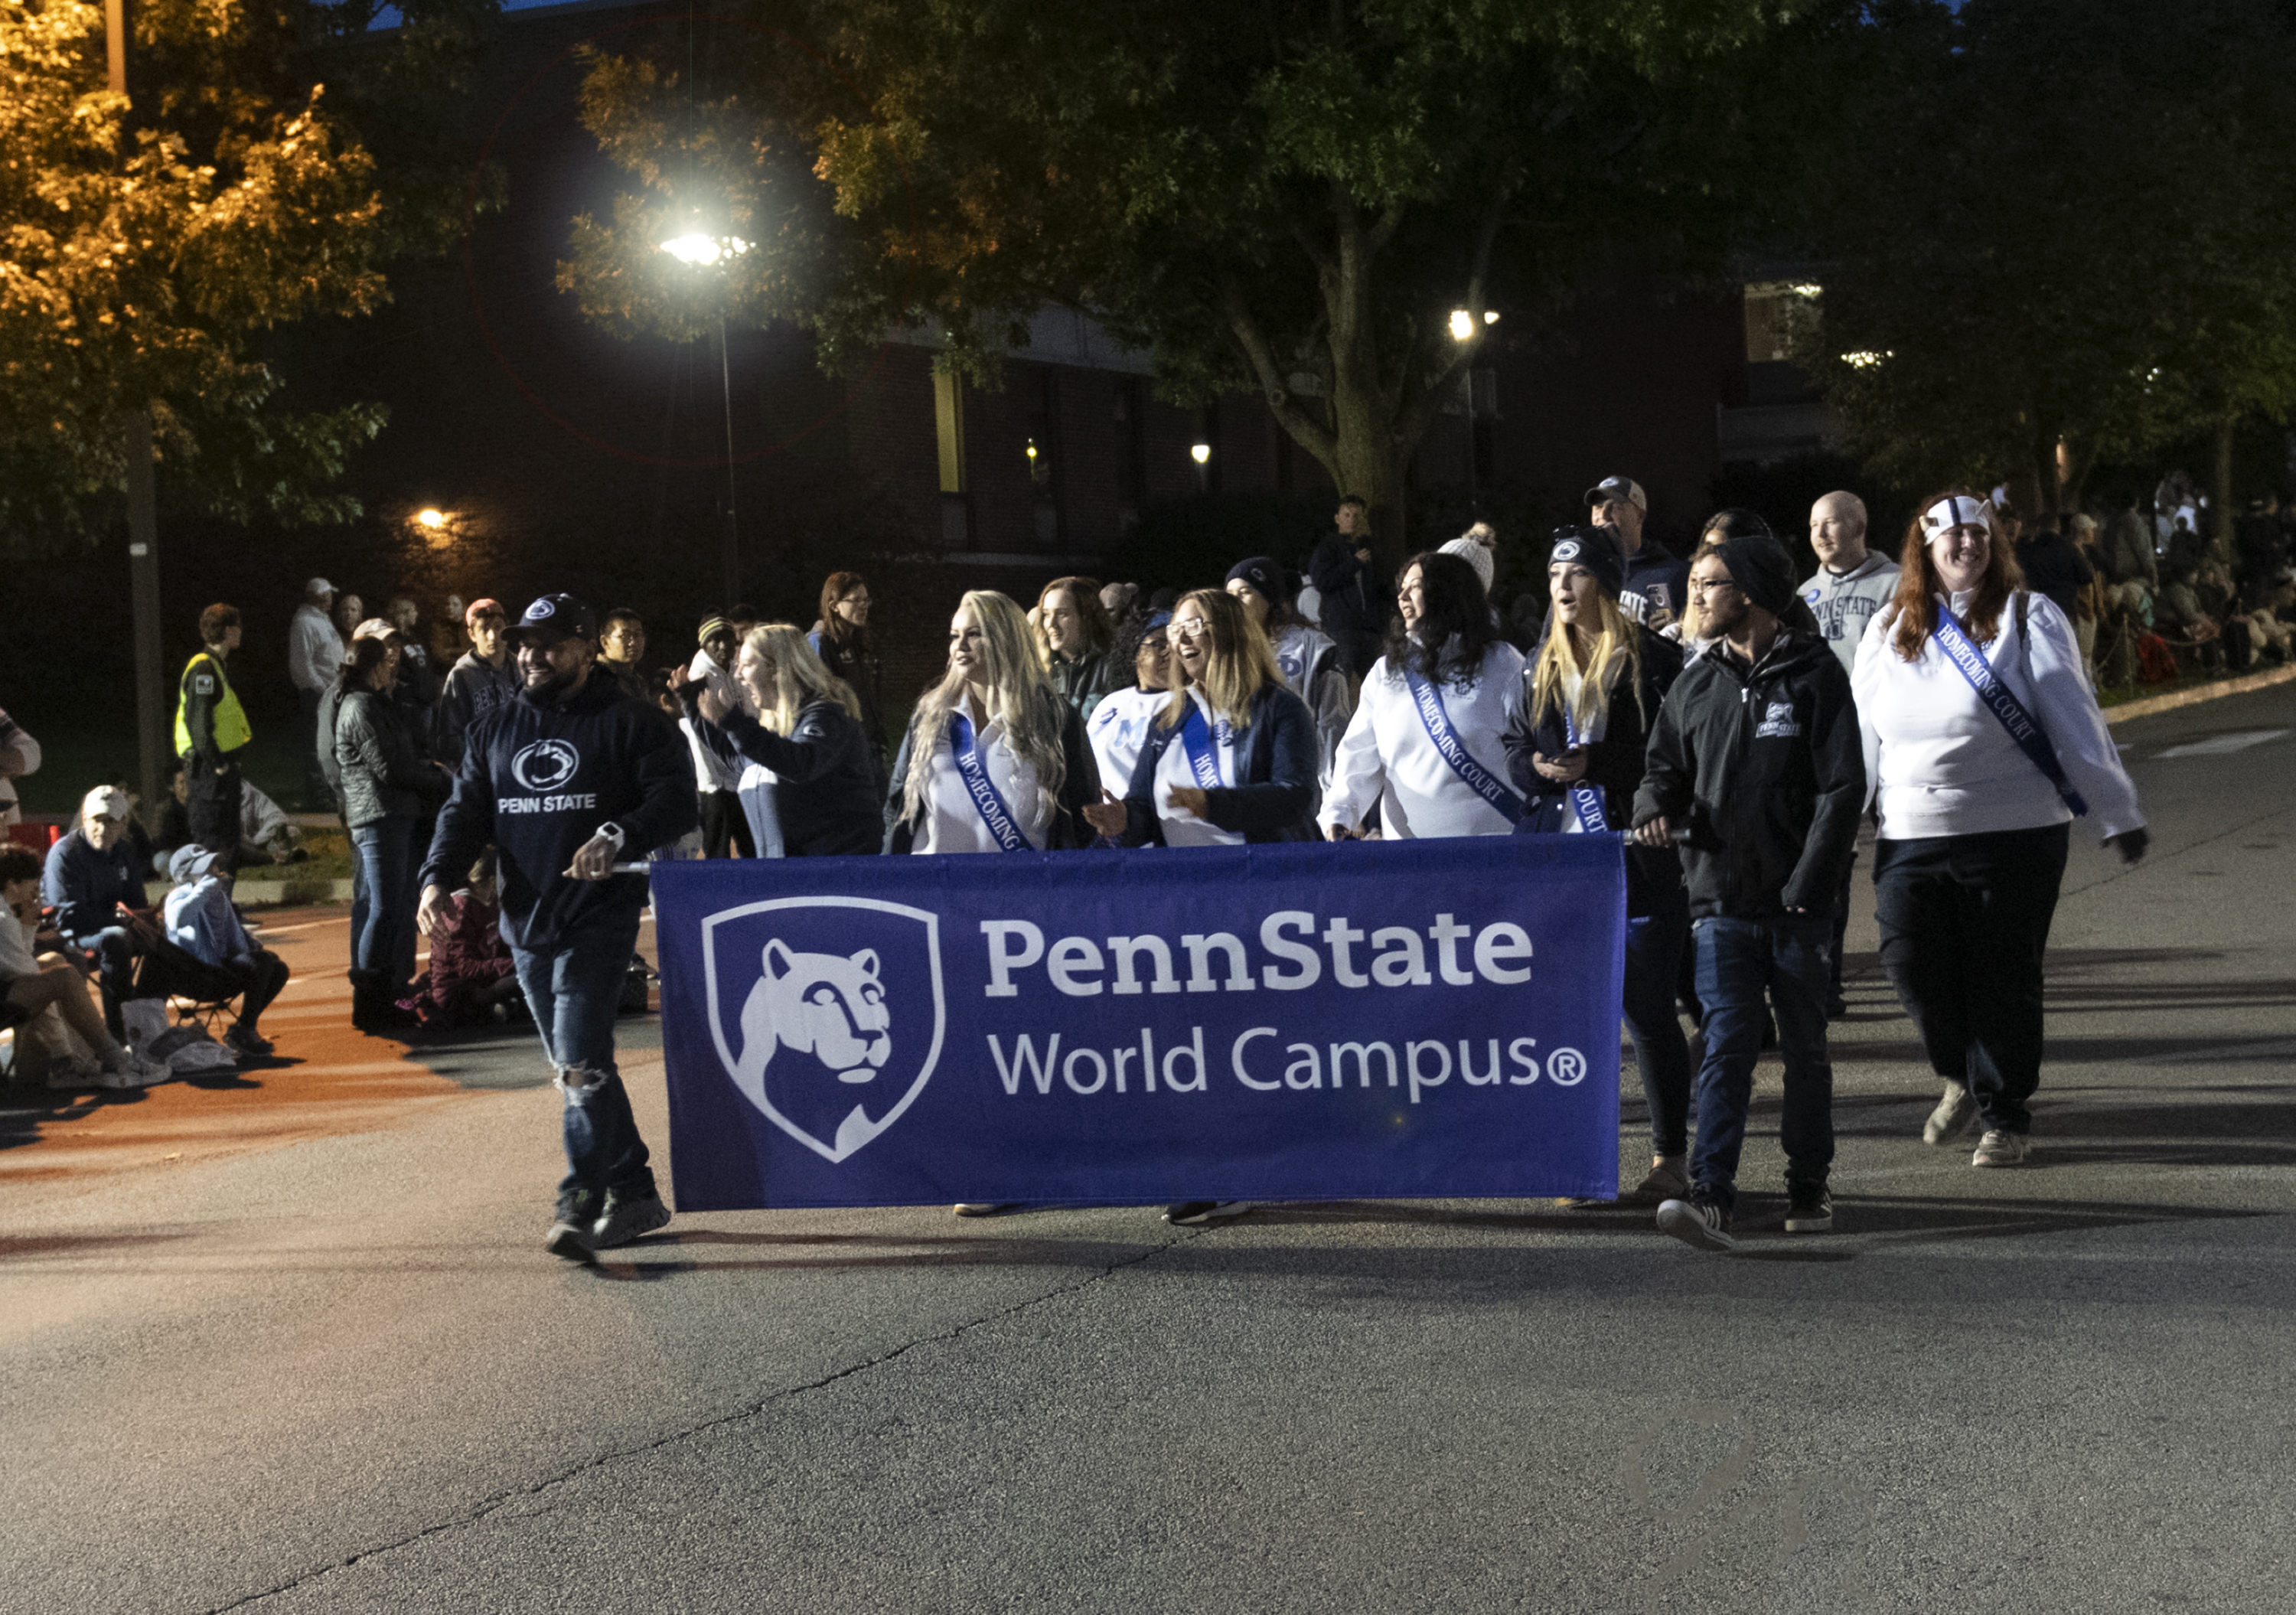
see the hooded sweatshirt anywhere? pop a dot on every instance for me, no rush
(1844, 603)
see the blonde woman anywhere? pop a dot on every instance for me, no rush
(1577, 754)
(995, 759)
(1231, 756)
(807, 775)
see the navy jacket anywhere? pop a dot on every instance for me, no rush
(85, 886)
(1277, 796)
(824, 800)
(539, 780)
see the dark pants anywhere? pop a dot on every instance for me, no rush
(390, 853)
(1654, 946)
(1841, 931)
(211, 808)
(724, 826)
(260, 980)
(1964, 923)
(316, 788)
(115, 970)
(574, 989)
(1738, 961)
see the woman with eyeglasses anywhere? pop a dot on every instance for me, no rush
(1231, 758)
(1427, 747)
(1304, 654)
(807, 778)
(1576, 755)
(1982, 745)
(995, 759)
(1119, 726)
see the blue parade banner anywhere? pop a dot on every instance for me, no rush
(1384, 1019)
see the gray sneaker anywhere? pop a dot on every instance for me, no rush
(569, 1237)
(1698, 1223)
(2001, 1148)
(625, 1220)
(1952, 1117)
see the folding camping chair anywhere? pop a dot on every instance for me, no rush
(199, 993)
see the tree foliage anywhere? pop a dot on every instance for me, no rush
(2045, 222)
(1290, 197)
(267, 165)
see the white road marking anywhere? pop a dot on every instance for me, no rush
(2217, 745)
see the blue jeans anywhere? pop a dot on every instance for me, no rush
(1653, 961)
(574, 989)
(1738, 960)
(115, 970)
(383, 939)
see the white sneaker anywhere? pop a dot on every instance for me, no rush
(1951, 1118)
(2000, 1148)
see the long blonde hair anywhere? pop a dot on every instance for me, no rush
(1617, 643)
(1019, 696)
(800, 676)
(1238, 664)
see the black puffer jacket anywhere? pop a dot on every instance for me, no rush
(1765, 767)
(384, 774)
(1615, 764)
(823, 800)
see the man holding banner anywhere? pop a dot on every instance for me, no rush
(1756, 766)
(561, 780)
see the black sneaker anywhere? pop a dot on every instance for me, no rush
(1194, 1213)
(1697, 1222)
(1808, 1211)
(572, 1236)
(626, 1219)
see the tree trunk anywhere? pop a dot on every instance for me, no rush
(2223, 538)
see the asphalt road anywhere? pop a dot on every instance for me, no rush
(294, 1347)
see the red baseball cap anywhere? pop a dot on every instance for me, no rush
(481, 607)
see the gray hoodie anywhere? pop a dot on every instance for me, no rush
(1844, 603)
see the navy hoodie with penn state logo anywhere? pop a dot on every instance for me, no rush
(540, 778)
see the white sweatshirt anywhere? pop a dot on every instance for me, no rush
(1940, 763)
(1386, 758)
(951, 823)
(1118, 731)
(1174, 769)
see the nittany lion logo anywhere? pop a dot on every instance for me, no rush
(545, 765)
(839, 1015)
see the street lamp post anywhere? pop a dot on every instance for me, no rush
(700, 250)
(143, 511)
(1463, 330)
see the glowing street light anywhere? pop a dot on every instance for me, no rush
(701, 250)
(1463, 323)
(433, 518)
(1200, 453)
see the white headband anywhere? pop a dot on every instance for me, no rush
(1953, 511)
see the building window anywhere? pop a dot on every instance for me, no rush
(1043, 449)
(948, 429)
(1777, 312)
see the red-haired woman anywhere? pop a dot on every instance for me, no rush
(1982, 745)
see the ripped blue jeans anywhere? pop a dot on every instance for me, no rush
(574, 989)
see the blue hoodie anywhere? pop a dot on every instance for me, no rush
(539, 780)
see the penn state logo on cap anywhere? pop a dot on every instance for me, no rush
(828, 1012)
(1570, 549)
(556, 617)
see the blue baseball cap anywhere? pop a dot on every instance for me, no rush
(554, 617)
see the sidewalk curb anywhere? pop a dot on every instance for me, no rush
(2199, 692)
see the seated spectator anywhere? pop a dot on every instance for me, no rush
(96, 885)
(34, 984)
(19, 754)
(200, 921)
(472, 979)
(266, 835)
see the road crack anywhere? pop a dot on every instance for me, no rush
(493, 1505)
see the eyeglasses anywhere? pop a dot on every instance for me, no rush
(1710, 585)
(1189, 627)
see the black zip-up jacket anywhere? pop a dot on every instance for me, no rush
(382, 768)
(1765, 765)
(1353, 595)
(1080, 787)
(540, 778)
(1614, 765)
(823, 800)
(1276, 797)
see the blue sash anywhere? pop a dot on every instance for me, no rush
(1453, 751)
(2023, 728)
(1197, 740)
(981, 788)
(1586, 799)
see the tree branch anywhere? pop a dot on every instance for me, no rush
(1422, 391)
(1275, 379)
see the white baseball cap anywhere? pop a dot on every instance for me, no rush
(105, 802)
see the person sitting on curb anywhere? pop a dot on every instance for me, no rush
(33, 983)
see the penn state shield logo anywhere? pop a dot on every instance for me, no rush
(544, 764)
(828, 1012)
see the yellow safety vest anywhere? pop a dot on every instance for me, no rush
(230, 730)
